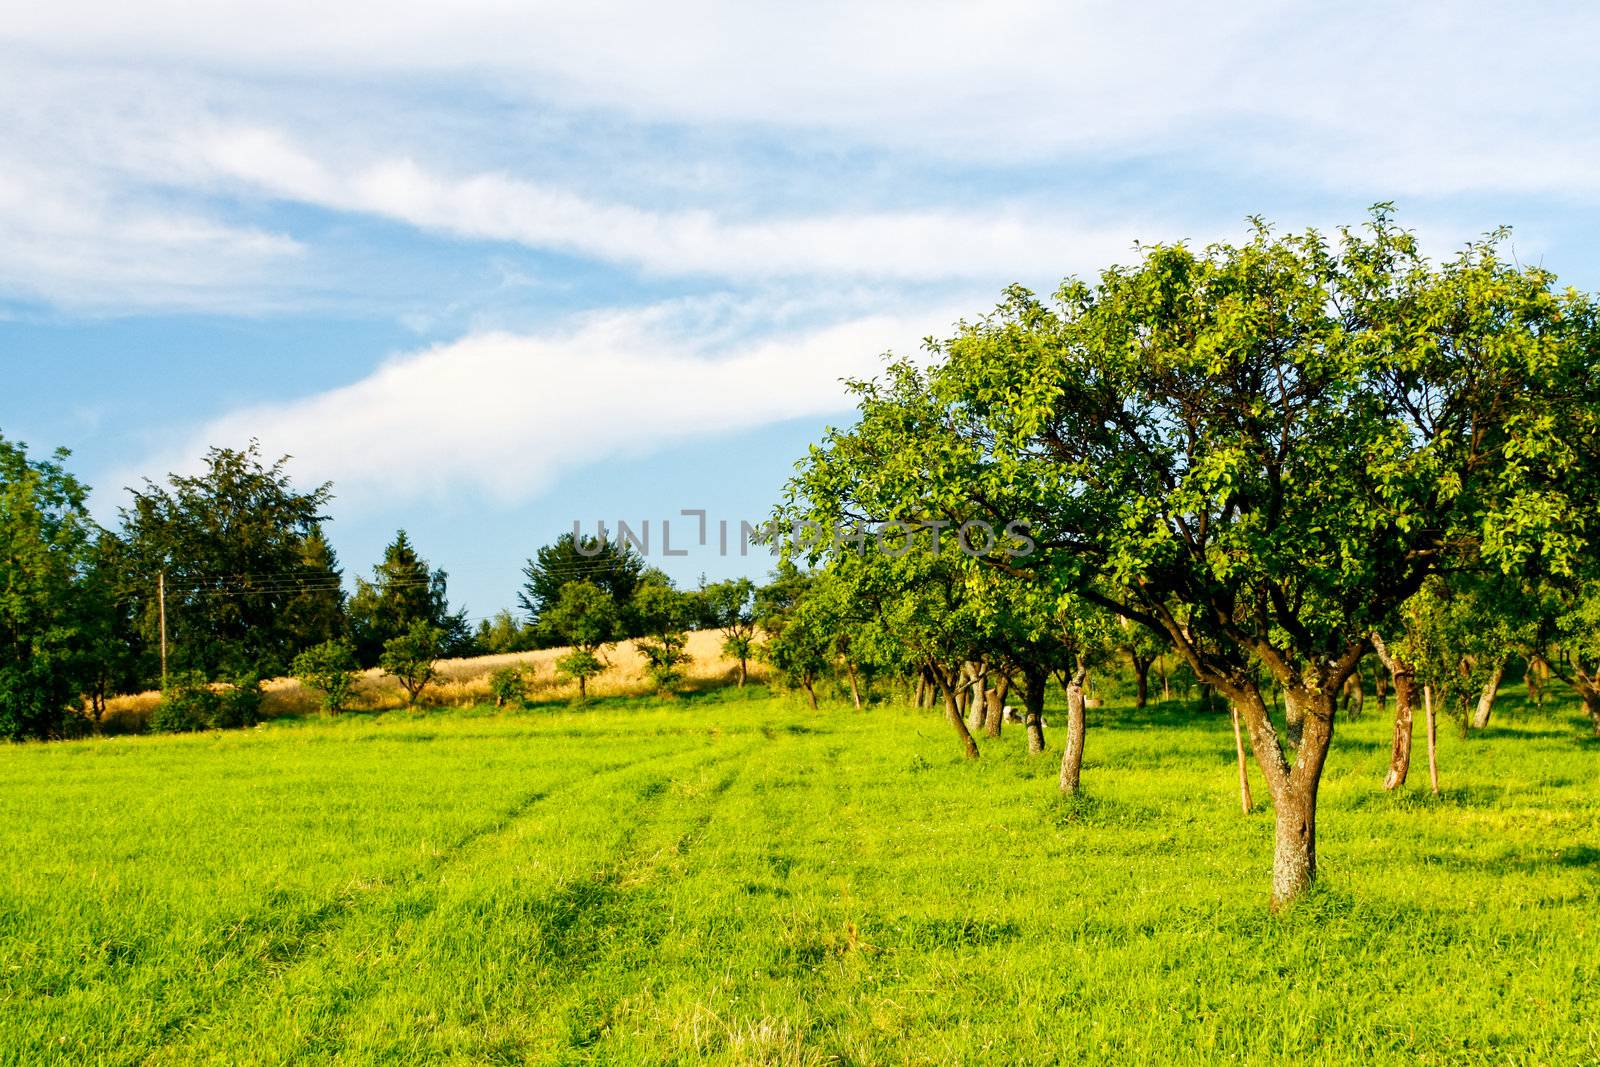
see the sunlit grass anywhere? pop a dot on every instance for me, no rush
(738, 879)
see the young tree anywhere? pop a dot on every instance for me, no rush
(411, 658)
(661, 615)
(1262, 450)
(508, 685)
(330, 669)
(730, 606)
(584, 616)
(47, 543)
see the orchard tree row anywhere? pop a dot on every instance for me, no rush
(1275, 459)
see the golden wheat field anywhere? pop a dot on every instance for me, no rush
(463, 682)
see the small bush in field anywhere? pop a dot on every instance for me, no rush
(239, 705)
(508, 685)
(330, 669)
(188, 705)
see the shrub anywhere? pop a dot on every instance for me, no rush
(189, 704)
(240, 704)
(508, 684)
(330, 669)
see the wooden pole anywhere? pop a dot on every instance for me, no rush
(1433, 738)
(161, 600)
(1245, 802)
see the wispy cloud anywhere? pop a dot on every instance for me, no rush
(508, 415)
(916, 246)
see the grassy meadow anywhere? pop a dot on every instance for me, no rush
(734, 878)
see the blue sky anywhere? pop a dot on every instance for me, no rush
(492, 268)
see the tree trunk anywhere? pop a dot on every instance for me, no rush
(1294, 854)
(997, 706)
(1246, 802)
(744, 671)
(1433, 738)
(952, 713)
(1293, 785)
(1294, 720)
(583, 688)
(1491, 689)
(922, 690)
(1400, 753)
(977, 705)
(855, 688)
(1404, 693)
(1380, 686)
(1355, 695)
(1530, 678)
(1141, 677)
(1166, 682)
(1077, 726)
(1591, 704)
(811, 692)
(1034, 682)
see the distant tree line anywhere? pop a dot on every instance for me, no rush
(234, 562)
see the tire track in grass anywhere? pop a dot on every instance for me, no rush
(320, 994)
(611, 924)
(305, 933)
(495, 955)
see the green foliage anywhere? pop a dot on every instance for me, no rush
(192, 704)
(233, 543)
(316, 612)
(189, 704)
(613, 567)
(410, 658)
(508, 685)
(661, 615)
(580, 665)
(239, 705)
(503, 634)
(329, 668)
(404, 592)
(730, 606)
(50, 602)
(584, 616)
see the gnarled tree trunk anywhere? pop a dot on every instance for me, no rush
(1294, 853)
(977, 707)
(1034, 682)
(855, 685)
(1404, 688)
(1141, 678)
(952, 713)
(997, 706)
(1077, 726)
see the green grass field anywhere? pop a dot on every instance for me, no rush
(737, 879)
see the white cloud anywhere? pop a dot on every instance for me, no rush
(508, 415)
(1013, 81)
(917, 246)
(78, 245)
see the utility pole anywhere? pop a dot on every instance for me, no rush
(161, 599)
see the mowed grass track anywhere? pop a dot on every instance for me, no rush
(739, 879)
